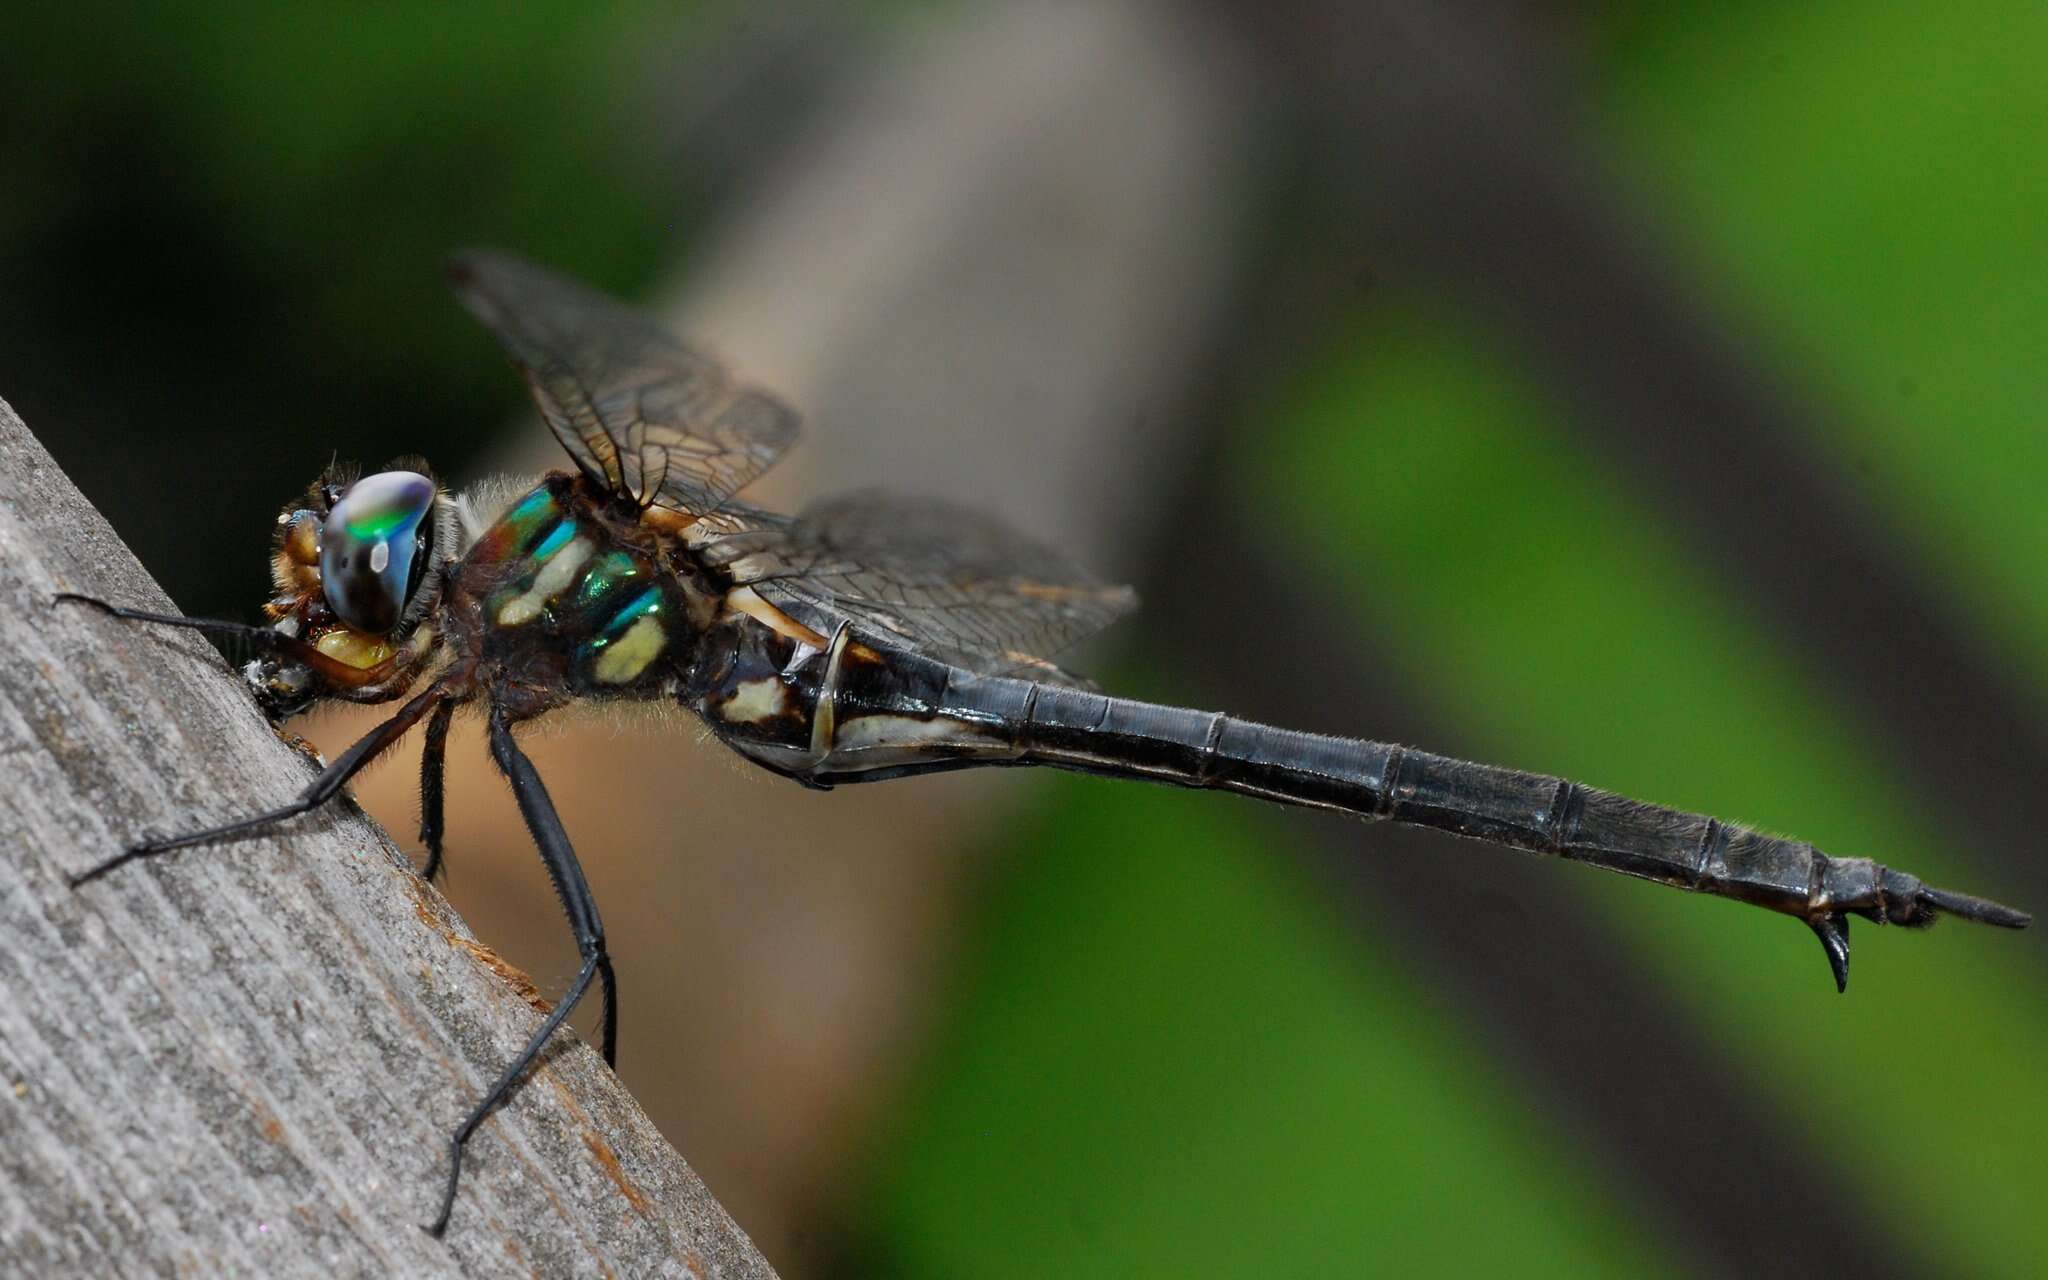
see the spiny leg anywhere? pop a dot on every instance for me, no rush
(268, 639)
(322, 789)
(433, 758)
(560, 858)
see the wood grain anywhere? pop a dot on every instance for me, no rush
(246, 1058)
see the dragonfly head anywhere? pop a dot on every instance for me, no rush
(356, 566)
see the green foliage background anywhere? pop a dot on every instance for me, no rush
(1180, 1060)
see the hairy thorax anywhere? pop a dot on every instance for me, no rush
(569, 596)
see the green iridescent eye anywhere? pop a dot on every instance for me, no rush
(369, 546)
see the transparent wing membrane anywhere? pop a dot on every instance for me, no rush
(640, 413)
(926, 575)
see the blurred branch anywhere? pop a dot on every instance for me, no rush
(247, 1058)
(1564, 1001)
(1440, 133)
(979, 274)
(1453, 162)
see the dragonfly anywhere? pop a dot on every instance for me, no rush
(869, 638)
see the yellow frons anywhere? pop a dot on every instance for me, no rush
(354, 648)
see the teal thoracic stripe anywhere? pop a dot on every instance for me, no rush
(647, 602)
(535, 507)
(631, 641)
(610, 570)
(557, 538)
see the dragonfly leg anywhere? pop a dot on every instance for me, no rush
(322, 789)
(269, 639)
(459, 1140)
(264, 637)
(545, 826)
(433, 758)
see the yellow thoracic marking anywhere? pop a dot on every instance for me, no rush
(627, 656)
(353, 647)
(756, 700)
(746, 600)
(557, 573)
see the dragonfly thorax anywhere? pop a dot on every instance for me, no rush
(567, 594)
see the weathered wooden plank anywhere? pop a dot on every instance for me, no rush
(246, 1058)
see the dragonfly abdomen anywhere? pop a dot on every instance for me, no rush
(919, 715)
(1538, 813)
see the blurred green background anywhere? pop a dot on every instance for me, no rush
(1167, 1041)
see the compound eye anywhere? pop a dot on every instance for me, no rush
(369, 545)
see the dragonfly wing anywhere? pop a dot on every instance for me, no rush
(641, 413)
(926, 575)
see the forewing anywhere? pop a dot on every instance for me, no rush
(641, 413)
(928, 575)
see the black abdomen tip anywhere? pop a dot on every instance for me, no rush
(1982, 910)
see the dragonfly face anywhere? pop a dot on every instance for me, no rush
(356, 566)
(866, 639)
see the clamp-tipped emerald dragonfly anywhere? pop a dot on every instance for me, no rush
(869, 638)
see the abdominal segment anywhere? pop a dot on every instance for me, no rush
(834, 711)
